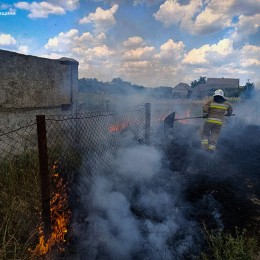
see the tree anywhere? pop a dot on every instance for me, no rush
(201, 80)
(249, 89)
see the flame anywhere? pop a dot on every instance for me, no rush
(118, 127)
(60, 215)
(185, 121)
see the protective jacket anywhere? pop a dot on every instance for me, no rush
(215, 111)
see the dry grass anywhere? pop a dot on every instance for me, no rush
(19, 206)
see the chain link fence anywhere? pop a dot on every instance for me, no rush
(80, 143)
(85, 135)
(83, 139)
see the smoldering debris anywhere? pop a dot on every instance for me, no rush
(230, 176)
(137, 212)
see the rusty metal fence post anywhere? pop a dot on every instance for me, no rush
(147, 123)
(44, 174)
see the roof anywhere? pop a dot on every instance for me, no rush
(221, 82)
(221, 86)
(182, 86)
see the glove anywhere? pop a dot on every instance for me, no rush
(205, 115)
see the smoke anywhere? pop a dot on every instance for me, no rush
(136, 211)
(137, 208)
(248, 110)
(138, 163)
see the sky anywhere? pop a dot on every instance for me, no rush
(147, 42)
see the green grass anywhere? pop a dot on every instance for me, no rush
(226, 246)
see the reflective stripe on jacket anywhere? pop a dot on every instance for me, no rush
(216, 111)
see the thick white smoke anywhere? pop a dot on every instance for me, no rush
(248, 111)
(136, 211)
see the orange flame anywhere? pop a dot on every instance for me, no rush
(186, 121)
(118, 127)
(60, 216)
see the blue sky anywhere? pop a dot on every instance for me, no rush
(148, 42)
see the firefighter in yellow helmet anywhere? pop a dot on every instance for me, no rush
(214, 111)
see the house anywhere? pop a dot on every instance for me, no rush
(182, 90)
(228, 85)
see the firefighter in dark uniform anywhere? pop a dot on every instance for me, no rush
(214, 111)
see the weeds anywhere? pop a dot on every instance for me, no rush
(20, 201)
(19, 205)
(227, 246)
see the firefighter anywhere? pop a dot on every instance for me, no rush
(214, 111)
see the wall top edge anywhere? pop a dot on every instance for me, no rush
(63, 60)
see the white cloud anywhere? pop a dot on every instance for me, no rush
(101, 19)
(23, 49)
(205, 52)
(247, 25)
(69, 5)
(44, 8)
(90, 40)
(201, 71)
(197, 16)
(251, 51)
(90, 50)
(249, 62)
(204, 17)
(63, 42)
(133, 42)
(171, 51)
(72, 42)
(133, 60)
(172, 12)
(215, 17)
(7, 40)
(136, 65)
(139, 53)
(40, 10)
(242, 63)
(100, 51)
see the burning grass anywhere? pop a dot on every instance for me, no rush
(20, 207)
(118, 127)
(60, 216)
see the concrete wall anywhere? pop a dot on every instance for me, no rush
(31, 85)
(33, 82)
